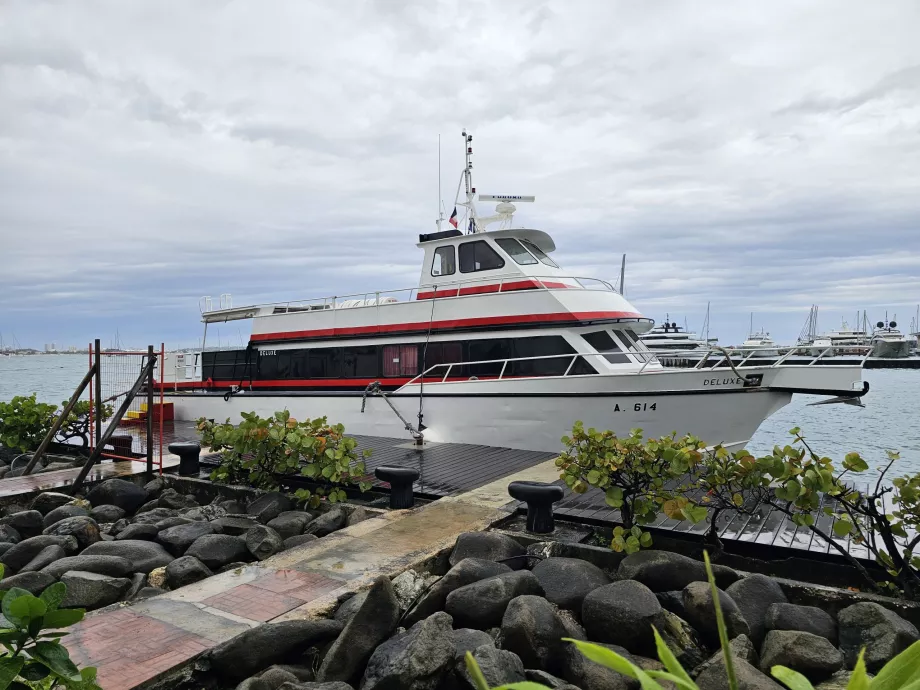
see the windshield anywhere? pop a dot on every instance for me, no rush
(537, 252)
(516, 251)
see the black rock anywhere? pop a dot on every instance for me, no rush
(741, 648)
(9, 535)
(147, 507)
(20, 554)
(208, 512)
(805, 618)
(170, 498)
(267, 644)
(811, 655)
(236, 525)
(45, 557)
(90, 591)
(82, 528)
(373, 622)
(327, 523)
(32, 582)
(263, 542)
(661, 571)
(62, 513)
(216, 550)
(754, 595)
(567, 581)
(113, 566)
(532, 630)
(469, 640)
(715, 677)
(701, 613)
(623, 613)
(314, 686)
(466, 572)
(143, 532)
(107, 513)
(499, 667)
(417, 659)
(116, 527)
(232, 566)
(584, 673)
(185, 571)
(5, 546)
(672, 601)
(138, 582)
(147, 592)
(481, 605)
(489, 546)
(28, 523)
(166, 523)
(298, 540)
(154, 487)
(233, 507)
(118, 492)
(683, 640)
(269, 506)
(152, 517)
(45, 502)
(883, 633)
(177, 539)
(143, 555)
(535, 675)
(290, 523)
(349, 607)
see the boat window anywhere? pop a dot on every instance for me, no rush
(480, 350)
(443, 263)
(632, 340)
(605, 345)
(479, 256)
(537, 252)
(360, 362)
(400, 360)
(325, 363)
(541, 346)
(227, 365)
(581, 367)
(516, 251)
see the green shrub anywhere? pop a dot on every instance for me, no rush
(31, 637)
(261, 449)
(77, 424)
(24, 422)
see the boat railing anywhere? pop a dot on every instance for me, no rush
(446, 290)
(499, 369)
(746, 357)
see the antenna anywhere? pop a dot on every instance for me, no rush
(440, 198)
(623, 276)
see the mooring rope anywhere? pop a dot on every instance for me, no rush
(373, 388)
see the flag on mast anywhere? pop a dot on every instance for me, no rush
(453, 218)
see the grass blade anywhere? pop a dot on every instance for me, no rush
(792, 679)
(666, 657)
(720, 621)
(472, 668)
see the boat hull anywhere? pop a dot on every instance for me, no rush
(891, 349)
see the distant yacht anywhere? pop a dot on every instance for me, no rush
(669, 337)
(760, 344)
(844, 341)
(888, 342)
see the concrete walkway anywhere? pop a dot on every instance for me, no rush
(136, 646)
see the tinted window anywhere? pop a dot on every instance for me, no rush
(478, 256)
(603, 343)
(581, 367)
(541, 346)
(360, 362)
(443, 263)
(537, 252)
(325, 362)
(632, 340)
(226, 365)
(485, 350)
(516, 251)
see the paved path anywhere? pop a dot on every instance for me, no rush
(135, 646)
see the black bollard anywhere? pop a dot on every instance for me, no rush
(400, 480)
(539, 498)
(121, 445)
(188, 452)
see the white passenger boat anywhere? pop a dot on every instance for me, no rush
(497, 345)
(889, 342)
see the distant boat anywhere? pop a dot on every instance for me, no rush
(760, 344)
(844, 341)
(888, 342)
(669, 337)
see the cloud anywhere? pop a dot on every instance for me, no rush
(760, 157)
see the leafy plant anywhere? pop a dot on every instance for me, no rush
(31, 636)
(262, 449)
(24, 422)
(639, 477)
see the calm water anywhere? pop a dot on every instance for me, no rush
(889, 419)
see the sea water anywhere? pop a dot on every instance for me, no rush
(887, 422)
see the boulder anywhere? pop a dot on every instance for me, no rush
(741, 648)
(143, 555)
(489, 546)
(701, 613)
(417, 659)
(82, 528)
(138, 582)
(349, 607)
(47, 501)
(275, 677)
(147, 507)
(805, 618)
(883, 633)
(567, 581)
(267, 644)
(263, 542)
(236, 525)
(28, 523)
(142, 532)
(623, 613)
(547, 679)
(469, 640)
(89, 591)
(233, 507)
(20, 554)
(157, 577)
(661, 571)
(409, 586)
(673, 601)
(298, 540)
(811, 655)
(584, 673)
(216, 550)
(107, 513)
(154, 487)
(838, 681)
(32, 582)
(116, 527)
(9, 534)
(170, 498)
(372, 623)
(532, 630)
(177, 539)
(499, 667)
(481, 605)
(290, 523)
(327, 523)
(269, 506)
(62, 513)
(166, 523)
(316, 686)
(356, 515)
(185, 571)
(113, 566)
(715, 677)
(147, 592)
(466, 572)
(5, 546)
(118, 492)
(45, 557)
(152, 517)
(754, 595)
(683, 640)
(208, 512)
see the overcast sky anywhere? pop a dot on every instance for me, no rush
(759, 156)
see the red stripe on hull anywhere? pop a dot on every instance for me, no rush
(495, 287)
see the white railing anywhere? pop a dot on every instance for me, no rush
(440, 290)
(741, 357)
(568, 359)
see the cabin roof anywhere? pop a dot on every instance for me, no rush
(541, 239)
